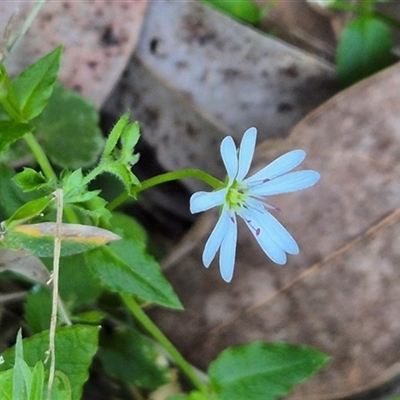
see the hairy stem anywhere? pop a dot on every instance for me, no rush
(168, 177)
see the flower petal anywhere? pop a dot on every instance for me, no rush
(271, 249)
(280, 166)
(229, 157)
(227, 252)
(246, 152)
(217, 235)
(202, 201)
(274, 229)
(290, 182)
(264, 236)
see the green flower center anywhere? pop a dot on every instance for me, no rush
(236, 196)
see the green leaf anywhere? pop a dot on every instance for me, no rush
(128, 227)
(11, 131)
(6, 381)
(72, 182)
(36, 392)
(95, 208)
(119, 162)
(75, 348)
(263, 371)
(8, 99)
(78, 284)
(37, 309)
(129, 138)
(125, 266)
(38, 239)
(124, 173)
(29, 180)
(244, 10)
(12, 196)
(133, 358)
(364, 48)
(34, 86)
(22, 374)
(115, 135)
(28, 211)
(90, 317)
(68, 130)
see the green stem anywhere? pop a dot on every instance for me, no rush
(181, 174)
(40, 156)
(93, 174)
(148, 324)
(167, 177)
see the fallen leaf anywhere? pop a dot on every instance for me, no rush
(98, 37)
(22, 263)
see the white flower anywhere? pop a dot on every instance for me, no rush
(247, 198)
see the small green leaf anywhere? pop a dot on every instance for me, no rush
(124, 173)
(75, 188)
(133, 358)
(263, 371)
(36, 392)
(22, 374)
(90, 317)
(28, 211)
(244, 10)
(12, 196)
(129, 138)
(364, 48)
(8, 99)
(119, 162)
(125, 266)
(75, 348)
(11, 131)
(68, 130)
(94, 208)
(73, 182)
(38, 239)
(29, 180)
(34, 86)
(115, 135)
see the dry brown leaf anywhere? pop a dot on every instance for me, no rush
(98, 37)
(301, 24)
(22, 263)
(342, 293)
